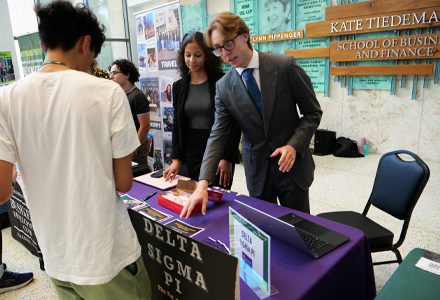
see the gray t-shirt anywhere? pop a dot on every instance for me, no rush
(199, 109)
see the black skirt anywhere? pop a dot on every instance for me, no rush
(194, 149)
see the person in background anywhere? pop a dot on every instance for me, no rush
(273, 101)
(11, 73)
(95, 71)
(193, 102)
(68, 118)
(2, 73)
(125, 73)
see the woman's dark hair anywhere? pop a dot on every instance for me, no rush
(61, 25)
(127, 67)
(213, 63)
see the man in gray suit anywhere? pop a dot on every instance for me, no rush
(263, 93)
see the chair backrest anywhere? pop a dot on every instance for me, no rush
(398, 184)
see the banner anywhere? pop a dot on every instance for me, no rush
(182, 268)
(21, 224)
(31, 54)
(158, 40)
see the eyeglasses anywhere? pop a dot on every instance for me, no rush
(113, 73)
(228, 45)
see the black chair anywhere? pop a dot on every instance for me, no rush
(397, 187)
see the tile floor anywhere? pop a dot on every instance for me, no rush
(340, 184)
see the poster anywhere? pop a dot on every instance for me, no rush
(7, 72)
(31, 54)
(168, 32)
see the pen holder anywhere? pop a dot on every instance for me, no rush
(366, 149)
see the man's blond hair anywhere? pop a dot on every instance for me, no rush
(228, 24)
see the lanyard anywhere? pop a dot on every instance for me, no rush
(56, 62)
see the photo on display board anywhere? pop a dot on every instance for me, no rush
(155, 136)
(150, 87)
(7, 73)
(168, 118)
(142, 55)
(168, 34)
(149, 26)
(151, 139)
(157, 164)
(168, 152)
(276, 17)
(152, 65)
(166, 92)
(140, 27)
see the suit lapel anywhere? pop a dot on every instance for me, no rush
(242, 98)
(268, 82)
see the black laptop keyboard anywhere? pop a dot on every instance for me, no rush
(312, 242)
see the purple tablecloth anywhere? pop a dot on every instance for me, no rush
(345, 273)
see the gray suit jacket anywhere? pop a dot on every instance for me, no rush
(284, 86)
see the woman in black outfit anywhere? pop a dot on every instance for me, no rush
(193, 102)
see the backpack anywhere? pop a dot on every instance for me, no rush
(346, 147)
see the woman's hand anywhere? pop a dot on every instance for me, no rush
(172, 170)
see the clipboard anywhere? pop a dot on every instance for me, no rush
(160, 183)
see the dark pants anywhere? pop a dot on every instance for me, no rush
(281, 185)
(142, 154)
(194, 150)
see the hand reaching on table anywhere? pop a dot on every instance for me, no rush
(172, 170)
(200, 195)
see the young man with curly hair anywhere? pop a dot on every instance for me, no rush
(125, 73)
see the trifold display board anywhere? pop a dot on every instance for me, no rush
(158, 40)
(180, 267)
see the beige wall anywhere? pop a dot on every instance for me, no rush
(389, 122)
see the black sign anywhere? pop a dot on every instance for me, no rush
(21, 224)
(181, 268)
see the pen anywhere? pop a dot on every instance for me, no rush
(148, 205)
(149, 196)
(171, 177)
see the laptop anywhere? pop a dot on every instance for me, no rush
(305, 236)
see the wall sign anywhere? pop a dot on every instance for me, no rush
(428, 17)
(403, 47)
